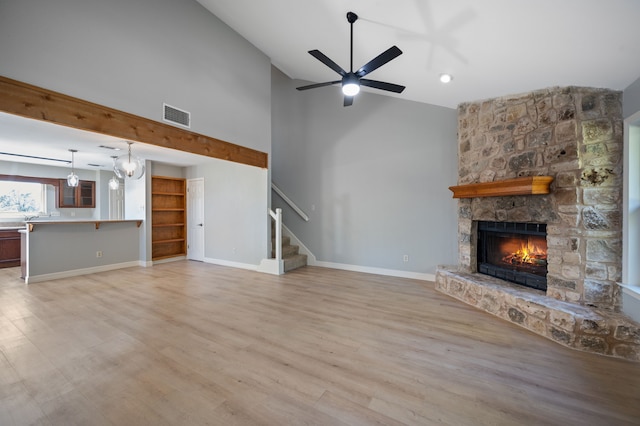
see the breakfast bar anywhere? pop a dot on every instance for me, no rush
(58, 249)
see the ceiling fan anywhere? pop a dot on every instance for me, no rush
(351, 81)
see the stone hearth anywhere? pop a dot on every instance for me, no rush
(575, 135)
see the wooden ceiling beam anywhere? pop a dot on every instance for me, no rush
(35, 102)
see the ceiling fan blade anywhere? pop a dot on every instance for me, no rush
(389, 54)
(348, 100)
(313, 86)
(328, 62)
(382, 85)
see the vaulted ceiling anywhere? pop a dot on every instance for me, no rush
(491, 47)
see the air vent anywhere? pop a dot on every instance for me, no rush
(109, 147)
(95, 165)
(176, 116)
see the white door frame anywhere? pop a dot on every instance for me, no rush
(195, 220)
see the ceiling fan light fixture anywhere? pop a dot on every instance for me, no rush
(350, 86)
(445, 78)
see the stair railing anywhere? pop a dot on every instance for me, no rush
(293, 205)
(277, 216)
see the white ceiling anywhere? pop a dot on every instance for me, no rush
(491, 47)
(36, 138)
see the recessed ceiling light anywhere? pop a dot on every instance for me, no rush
(446, 78)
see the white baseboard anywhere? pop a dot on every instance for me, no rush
(312, 261)
(377, 271)
(76, 272)
(631, 301)
(239, 265)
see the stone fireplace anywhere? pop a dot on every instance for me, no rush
(575, 136)
(513, 251)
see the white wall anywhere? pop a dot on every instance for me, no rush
(372, 177)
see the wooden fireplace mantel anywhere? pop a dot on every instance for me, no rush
(530, 185)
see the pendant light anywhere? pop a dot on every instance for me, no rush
(129, 166)
(114, 183)
(72, 179)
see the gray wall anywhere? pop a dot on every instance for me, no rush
(372, 177)
(631, 99)
(133, 55)
(235, 194)
(64, 248)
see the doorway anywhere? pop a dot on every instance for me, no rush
(195, 219)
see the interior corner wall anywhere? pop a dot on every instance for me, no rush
(372, 177)
(236, 218)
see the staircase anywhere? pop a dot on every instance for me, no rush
(292, 259)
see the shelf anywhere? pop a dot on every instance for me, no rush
(169, 256)
(175, 240)
(531, 185)
(168, 227)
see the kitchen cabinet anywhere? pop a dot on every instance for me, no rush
(9, 248)
(81, 196)
(168, 217)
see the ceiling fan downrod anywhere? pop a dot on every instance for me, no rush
(351, 18)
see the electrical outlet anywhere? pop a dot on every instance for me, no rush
(405, 258)
(99, 253)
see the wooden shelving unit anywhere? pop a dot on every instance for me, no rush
(168, 217)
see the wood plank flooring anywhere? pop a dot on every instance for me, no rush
(187, 343)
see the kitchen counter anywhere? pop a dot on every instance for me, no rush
(30, 225)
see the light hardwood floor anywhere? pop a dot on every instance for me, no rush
(188, 343)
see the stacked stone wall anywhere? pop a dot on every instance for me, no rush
(574, 134)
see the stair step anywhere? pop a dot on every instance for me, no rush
(294, 262)
(285, 241)
(287, 251)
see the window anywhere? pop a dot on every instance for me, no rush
(19, 199)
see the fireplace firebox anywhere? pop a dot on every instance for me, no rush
(515, 252)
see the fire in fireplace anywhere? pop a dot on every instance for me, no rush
(515, 252)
